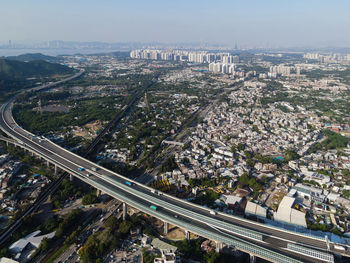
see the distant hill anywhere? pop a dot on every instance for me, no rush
(14, 74)
(18, 70)
(33, 56)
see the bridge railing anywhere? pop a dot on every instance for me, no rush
(229, 240)
(311, 252)
(308, 235)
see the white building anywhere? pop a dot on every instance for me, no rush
(308, 192)
(254, 209)
(287, 214)
(222, 68)
(32, 239)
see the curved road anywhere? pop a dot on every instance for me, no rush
(261, 240)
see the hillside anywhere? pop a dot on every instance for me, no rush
(32, 56)
(17, 70)
(14, 75)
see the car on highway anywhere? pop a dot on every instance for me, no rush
(128, 183)
(154, 191)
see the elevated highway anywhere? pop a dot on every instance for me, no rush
(258, 240)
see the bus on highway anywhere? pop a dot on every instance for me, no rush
(153, 207)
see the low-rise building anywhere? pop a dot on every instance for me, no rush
(287, 214)
(309, 192)
(253, 209)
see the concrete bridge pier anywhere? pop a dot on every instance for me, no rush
(71, 177)
(99, 192)
(252, 258)
(125, 210)
(55, 169)
(188, 235)
(48, 164)
(166, 228)
(218, 247)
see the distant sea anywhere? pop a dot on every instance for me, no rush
(5, 52)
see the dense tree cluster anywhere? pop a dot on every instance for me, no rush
(250, 181)
(66, 190)
(84, 111)
(169, 165)
(207, 198)
(89, 199)
(101, 242)
(333, 141)
(14, 74)
(192, 250)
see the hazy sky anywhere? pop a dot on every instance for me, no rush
(246, 22)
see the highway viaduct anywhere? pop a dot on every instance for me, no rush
(256, 239)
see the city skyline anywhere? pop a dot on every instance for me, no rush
(170, 132)
(230, 23)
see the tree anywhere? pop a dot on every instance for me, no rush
(69, 222)
(89, 199)
(44, 245)
(290, 155)
(147, 256)
(211, 257)
(124, 227)
(4, 252)
(346, 173)
(251, 182)
(244, 178)
(346, 193)
(49, 225)
(169, 165)
(73, 236)
(233, 149)
(89, 252)
(111, 223)
(333, 141)
(248, 154)
(264, 179)
(256, 129)
(250, 163)
(241, 147)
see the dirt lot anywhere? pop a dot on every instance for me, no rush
(275, 198)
